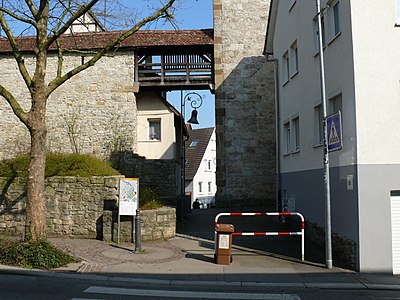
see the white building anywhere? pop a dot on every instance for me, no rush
(200, 153)
(362, 72)
(86, 23)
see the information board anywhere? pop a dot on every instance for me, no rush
(128, 196)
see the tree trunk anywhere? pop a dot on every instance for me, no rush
(35, 227)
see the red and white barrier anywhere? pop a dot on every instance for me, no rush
(284, 233)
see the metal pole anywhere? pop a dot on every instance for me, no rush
(138, 237)
(182, 195)
(328, 231)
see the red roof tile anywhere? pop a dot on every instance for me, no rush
(142, 38)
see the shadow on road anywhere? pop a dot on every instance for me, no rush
(199, 224)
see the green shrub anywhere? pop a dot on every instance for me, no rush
(33, 255)
(149, 199)
(58, 164)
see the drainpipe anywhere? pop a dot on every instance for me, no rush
(278, 188)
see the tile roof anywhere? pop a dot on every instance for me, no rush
(140, 39)
(194, 155)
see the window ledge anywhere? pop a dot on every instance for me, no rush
(294, 74)
(335, 37)
(286, 154)
(296, 151)
(318, 145)
(286, 82)
(291, 6)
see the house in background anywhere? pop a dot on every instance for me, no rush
(86, 23)
(159, 127)
(200, 154)
(361, 50)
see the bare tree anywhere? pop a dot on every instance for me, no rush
(49, 20)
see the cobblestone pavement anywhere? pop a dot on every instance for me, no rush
(97, 255)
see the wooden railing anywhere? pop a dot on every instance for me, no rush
(187, 69)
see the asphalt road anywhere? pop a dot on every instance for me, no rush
(21, 287)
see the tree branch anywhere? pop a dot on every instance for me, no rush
(15, 51)
(78, 14)
(17, 17)
(60, 58)
(54, 84)
(17, 109)
(32, 8)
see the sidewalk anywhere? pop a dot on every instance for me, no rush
(189, 259)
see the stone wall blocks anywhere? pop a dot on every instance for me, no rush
(97, 180)
(78, 209)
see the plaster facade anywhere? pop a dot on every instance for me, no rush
(361, 69)
(151, 108)
(205, 175)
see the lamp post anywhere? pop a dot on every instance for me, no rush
(328, 229)
(195, 101)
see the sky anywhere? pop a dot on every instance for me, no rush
(190, 14)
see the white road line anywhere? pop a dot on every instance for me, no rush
(85, 299)
(188, 294)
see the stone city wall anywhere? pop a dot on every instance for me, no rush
(244, 103)
(161, 174)
(79, 207)
(94, 112)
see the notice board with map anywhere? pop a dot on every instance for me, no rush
(128, 196)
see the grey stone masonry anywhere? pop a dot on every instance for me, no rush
(244, 103)
(156, 224)
(79, 207)
(94, 112)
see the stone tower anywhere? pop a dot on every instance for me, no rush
(244, 103)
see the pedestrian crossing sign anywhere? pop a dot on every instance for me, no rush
(334, 127)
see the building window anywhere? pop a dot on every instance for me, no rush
(318, 125)
(286, 137)
(398, 12)
(154, 129)
(200, 187)
(209, 165)
(336, 18)
(286, 67)
(336, 104)
(316, 31)
(294, 58)
(209, 186)
(296, 129)
(194, 144)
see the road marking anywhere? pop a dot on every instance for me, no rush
(85, 299)
(188, 294)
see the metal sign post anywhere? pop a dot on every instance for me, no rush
(328, 230)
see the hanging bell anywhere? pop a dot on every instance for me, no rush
(193, 118)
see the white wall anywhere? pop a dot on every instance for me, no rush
(204, 174)
(377, 72)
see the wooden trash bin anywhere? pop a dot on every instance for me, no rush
(224, 243)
